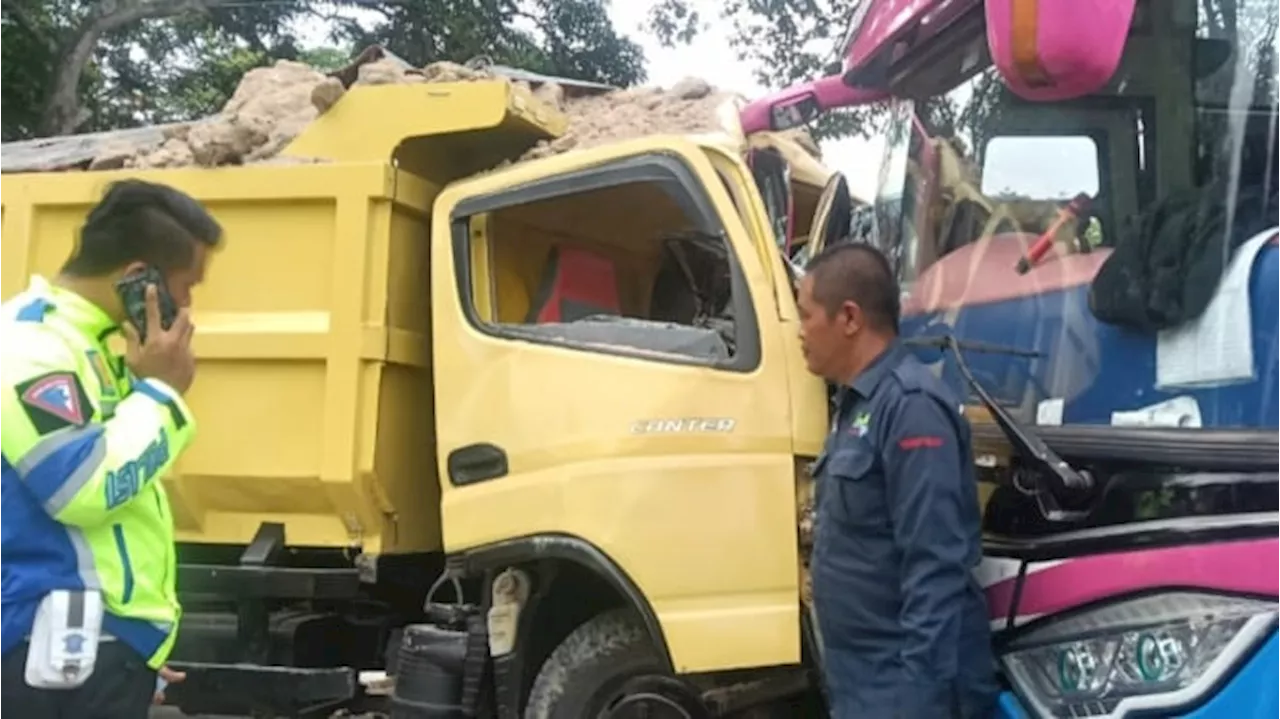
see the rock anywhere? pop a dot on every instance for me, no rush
(326, 94)
(113, 156)
(452, 72)
(222, 141)
(691, 88)
(552, 94)
(173, 152)
(383, 72)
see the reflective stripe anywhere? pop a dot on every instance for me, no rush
(62, 464)
(104, 637)
(126, 594)
(85, 565)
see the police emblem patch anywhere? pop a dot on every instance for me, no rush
(58, 396)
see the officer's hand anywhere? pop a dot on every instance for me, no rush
(167, 676)
(166, 355)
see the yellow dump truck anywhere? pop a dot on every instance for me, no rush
(565, 399)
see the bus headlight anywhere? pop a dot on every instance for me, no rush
(1150, 652)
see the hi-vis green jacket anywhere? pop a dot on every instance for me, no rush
(84, 447)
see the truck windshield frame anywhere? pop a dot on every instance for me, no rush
(682, 184)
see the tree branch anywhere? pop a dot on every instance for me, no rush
(62, 113)
(29, 23)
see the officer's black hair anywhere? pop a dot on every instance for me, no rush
(860, 273)
(138, 221)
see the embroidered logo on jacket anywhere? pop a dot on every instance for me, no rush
(54, 400)
(860, 424)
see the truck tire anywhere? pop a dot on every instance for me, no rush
(600, 667)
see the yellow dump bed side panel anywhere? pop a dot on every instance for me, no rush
(313, 392)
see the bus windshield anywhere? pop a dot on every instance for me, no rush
(1121, 246)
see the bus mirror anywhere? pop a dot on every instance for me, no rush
(794, 112)
(802, 104)
(1045, 167)
(1041, 52)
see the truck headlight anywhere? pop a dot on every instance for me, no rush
(1158, 651)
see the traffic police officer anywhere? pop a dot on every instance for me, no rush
(86, 436)
(903, 622)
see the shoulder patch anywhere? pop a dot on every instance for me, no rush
(54, 400)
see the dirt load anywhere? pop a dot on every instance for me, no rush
(273, 104)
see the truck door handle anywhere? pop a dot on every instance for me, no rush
(476, 463)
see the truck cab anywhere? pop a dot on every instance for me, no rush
(541, 430)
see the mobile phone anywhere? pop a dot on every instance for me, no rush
(133, 294)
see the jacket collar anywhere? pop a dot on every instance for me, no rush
(71, 307)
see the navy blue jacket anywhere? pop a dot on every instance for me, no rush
(903, 622)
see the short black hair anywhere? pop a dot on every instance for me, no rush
(860, 273)
(138, 221)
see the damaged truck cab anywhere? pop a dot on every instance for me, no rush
(627, 310)
(536, 430)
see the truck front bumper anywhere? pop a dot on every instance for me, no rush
(249, 689)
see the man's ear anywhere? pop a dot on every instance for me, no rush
(850, 317)
(132, 267)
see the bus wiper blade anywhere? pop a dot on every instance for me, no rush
(1063, 480)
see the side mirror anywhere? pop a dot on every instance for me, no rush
(1040, 51)
(801, 104)
(795, 112)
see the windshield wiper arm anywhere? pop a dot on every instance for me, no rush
(945, 341)
(1064, 481)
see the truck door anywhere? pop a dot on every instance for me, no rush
(608, 365)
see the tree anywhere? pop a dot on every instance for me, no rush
(786, 41)
(89, 65)
(72, 48)
(571, 38)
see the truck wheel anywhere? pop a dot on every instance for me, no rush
(608, 669)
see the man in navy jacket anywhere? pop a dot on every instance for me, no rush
(903, 622)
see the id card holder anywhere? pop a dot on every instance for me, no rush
(64, 639)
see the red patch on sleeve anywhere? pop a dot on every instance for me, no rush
(923, 441)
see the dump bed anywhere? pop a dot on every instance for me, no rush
(313, 393)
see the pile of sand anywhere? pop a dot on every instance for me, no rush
(688, 107)
(272, 105)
